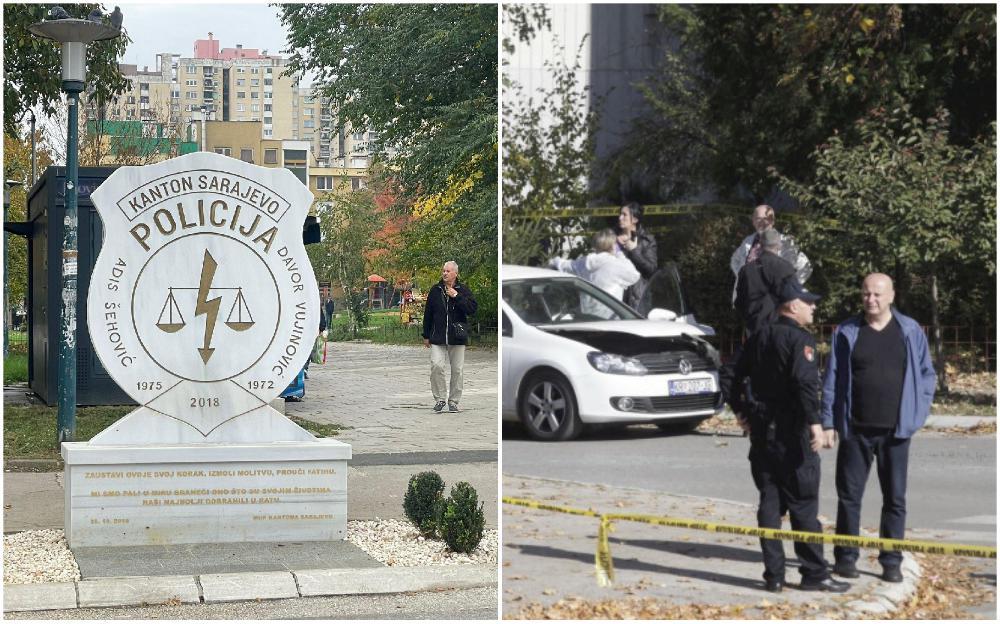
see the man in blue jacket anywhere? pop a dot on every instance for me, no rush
(877, 393)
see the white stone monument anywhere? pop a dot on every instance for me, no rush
(203, 307)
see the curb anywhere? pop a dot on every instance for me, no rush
(947, 421)
(888, 597)
(213, 588)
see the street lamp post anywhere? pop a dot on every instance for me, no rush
(74, 35)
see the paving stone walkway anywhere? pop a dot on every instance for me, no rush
(383, 394)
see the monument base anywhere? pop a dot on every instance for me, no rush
(126, 495)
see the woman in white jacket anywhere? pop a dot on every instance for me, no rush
(602, 268)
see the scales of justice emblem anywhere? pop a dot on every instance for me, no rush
(202, 303)
(171, 320)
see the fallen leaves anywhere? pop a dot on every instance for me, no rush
(652, 609)
(983, 427)
(947, 588)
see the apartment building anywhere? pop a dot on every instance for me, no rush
(243, 140)
(238, 85)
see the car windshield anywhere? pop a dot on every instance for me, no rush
(556, 300)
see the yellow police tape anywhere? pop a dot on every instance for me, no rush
(604, 566)
(651, 210)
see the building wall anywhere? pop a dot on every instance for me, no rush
(238, 137)
(619, 46)
(326, 180)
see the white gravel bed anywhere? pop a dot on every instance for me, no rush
(398, 543)
(44, 557)
(38, 557)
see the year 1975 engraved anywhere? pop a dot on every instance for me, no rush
(260, 384)
(149, 385)
(205, 402)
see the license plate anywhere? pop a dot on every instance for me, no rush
(690, 386)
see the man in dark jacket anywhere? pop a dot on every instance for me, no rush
(639, 246)
(758, 286)
(446, 329)
(786, 433)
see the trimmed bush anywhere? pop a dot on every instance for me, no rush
(423, 499)
(462, 520)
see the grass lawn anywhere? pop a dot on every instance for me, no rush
(29, 431)
(15, 368)
(384, 327)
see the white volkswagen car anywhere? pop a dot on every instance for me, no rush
(574, 355)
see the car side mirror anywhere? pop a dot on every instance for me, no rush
(659, 314)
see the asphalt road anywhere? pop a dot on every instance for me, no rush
(952, 479)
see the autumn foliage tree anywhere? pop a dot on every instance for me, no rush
(424, 77)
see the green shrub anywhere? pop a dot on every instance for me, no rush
(423, 496)
(462, 520)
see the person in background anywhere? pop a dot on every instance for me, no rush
(323, 323)
(639, 247)
(750, 249)
(758, 286)
(602, 268)
(449, 304)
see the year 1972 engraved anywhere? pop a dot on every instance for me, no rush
(260, 384)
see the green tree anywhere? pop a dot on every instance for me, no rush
(17, 166)
(349, 222)
(423, 77)
(747, 87)
(902, 199)
(548, 154)
(32, 65)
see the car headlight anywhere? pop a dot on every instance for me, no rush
(615, 364)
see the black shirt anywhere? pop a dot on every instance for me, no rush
(878, 366)
(757, 288)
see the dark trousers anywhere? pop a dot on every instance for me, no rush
(792, 486)
(854, 461)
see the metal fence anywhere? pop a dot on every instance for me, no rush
(17, 341)
(967, 348)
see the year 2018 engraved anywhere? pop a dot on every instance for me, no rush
(205, 402)
(260, 384)
(149, 385)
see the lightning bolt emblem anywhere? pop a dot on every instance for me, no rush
(209, 307)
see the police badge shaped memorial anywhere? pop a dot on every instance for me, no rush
(203, 307)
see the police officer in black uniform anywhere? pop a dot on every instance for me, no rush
(785, 433)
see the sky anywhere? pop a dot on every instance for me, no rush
(156, 27)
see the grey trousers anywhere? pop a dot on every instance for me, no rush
(441, 357)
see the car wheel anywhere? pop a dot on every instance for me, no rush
(547, 408)
(683, 426)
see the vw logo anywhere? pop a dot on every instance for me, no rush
(684, 367)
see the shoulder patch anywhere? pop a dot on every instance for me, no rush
(809, 352)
